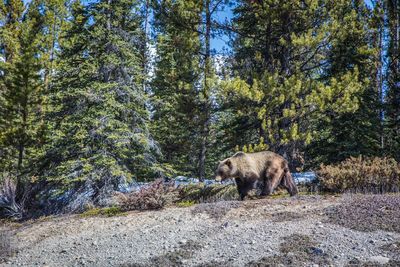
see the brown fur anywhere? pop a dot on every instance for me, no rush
(248, 169)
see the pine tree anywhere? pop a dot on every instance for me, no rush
(357, 132)
(98, 107)
(280, 51)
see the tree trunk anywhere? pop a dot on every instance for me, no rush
(145, 47)
(206, 101)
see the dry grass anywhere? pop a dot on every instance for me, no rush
(152, 197)
(367, 213)
(205, 194)
(158, 195)
(9, 208)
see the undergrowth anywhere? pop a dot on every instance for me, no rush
(361, 175)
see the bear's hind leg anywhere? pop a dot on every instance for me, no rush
(288, 183)
(271, 181)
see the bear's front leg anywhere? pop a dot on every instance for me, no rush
(267, 188)
(242, 188)
(246, 183)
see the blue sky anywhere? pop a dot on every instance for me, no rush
(218, 43)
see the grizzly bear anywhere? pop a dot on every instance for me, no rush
(266, 168)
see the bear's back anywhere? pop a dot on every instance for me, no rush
(258, 161)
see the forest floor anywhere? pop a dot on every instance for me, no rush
(314, 230)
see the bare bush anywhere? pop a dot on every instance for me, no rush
(8, 204)
(152, 197)
(361, 175)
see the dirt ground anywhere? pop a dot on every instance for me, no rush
(346, 230)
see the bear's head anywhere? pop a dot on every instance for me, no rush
(224, 170)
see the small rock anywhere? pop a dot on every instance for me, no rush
(379, 259)
(372, 241)
(317, 251)
(354, 261)
(183, 241)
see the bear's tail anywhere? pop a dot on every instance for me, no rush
(288, 182)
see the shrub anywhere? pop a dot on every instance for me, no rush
(375, 175)
(152, 197)
(9, 207)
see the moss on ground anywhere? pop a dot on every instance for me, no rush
(107, 212)
(185, 203)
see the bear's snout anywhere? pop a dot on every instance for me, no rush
(218, 178)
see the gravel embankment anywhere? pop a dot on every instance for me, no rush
(299, 231)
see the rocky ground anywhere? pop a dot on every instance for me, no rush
(348, 230)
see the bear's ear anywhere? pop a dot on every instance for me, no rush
(228, 163)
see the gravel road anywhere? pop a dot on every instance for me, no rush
(268, 232)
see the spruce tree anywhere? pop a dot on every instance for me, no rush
(185, 84)
(392, 114)
(98, 107)
(175, 83)
(21, 94)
